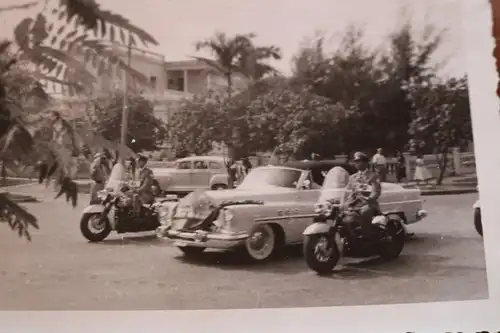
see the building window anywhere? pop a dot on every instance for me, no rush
(152, 81)
(180, 84)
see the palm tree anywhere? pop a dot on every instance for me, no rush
(252, 62)
(237, 54)
(60, 50)
(227, 52)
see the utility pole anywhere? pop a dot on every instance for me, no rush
(125, 97)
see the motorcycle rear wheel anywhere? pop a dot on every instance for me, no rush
(323, 265)
(89, 234)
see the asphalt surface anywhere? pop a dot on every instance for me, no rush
(59, 270)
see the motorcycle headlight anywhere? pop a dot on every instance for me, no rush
(163, 212)
(324, 208)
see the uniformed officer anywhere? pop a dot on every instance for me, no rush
(362, 181)
(144, 194)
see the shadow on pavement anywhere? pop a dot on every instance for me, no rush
(415, 260)
(148, 240)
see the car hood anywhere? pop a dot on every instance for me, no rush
(264, 194)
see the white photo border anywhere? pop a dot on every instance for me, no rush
(466, 316)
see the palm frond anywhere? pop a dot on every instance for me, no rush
(212, 63)
(89, 14)
(18, 218)
(27, 5)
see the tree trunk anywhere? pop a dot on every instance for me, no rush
(443, 164)
(229, 79)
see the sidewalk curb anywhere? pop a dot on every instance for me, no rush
(22, 198)
(449, 192)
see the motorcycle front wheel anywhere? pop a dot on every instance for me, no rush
(93, 228)
(321, 253)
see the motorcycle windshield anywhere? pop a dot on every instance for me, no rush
(334, 185)
(117, 177)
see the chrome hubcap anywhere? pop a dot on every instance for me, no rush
(322, 250)
(260, 244)
(96, 225)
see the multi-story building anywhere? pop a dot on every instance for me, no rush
(169, 81)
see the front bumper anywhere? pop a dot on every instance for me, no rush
(201, 238)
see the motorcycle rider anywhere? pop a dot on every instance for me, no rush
(143, 194)
(360, 182)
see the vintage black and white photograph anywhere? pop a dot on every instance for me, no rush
(188, 155)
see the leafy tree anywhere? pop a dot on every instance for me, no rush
(442, 118)
(145, 131)
(63, 57)
(196, 123)
(278, 116)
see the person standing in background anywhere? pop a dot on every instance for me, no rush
(132, 166)
(421, 172)
(401, 167)
(380, 164)
(98, 174)
(247, 166)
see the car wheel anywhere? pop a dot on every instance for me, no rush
(477, 221)
(219, 187)
(261, 244)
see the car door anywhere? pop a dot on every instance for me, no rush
(200, 175)
(306, 196)
(181, 179)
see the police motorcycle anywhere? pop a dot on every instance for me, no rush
(113, 211)
(336, 231)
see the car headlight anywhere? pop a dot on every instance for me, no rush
(224, 219)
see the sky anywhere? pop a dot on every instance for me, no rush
(178, 24)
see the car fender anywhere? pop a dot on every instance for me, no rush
(219, 179)
(92, 209)
(476, 205)
(316, 228)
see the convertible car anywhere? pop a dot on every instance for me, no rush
(268, 210)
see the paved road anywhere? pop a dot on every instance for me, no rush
(59, 270)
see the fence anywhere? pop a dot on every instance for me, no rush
(458, 163)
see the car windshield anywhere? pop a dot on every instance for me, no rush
(117, 177)
(270, 176)
(334, 184)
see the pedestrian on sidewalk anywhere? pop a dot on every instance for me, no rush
(422, 174)
(98, 174)
(379, 163)
(400, 167)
